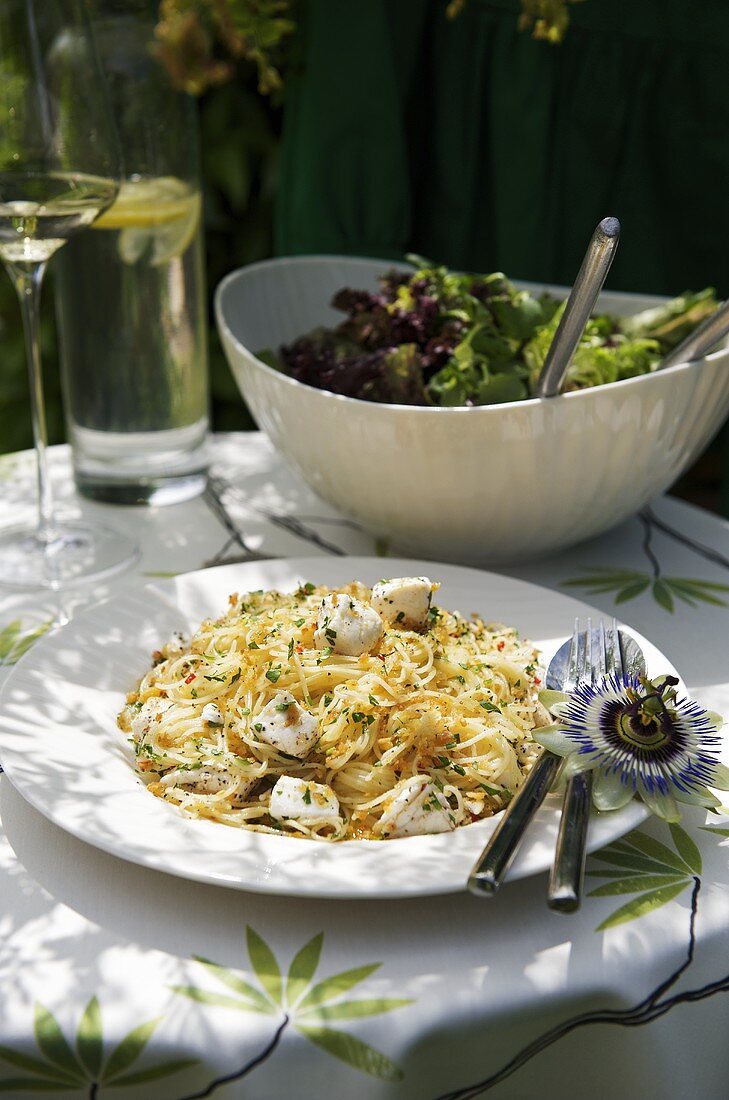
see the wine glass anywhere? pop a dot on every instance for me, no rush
(60, 166)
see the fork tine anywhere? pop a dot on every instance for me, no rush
(617, 649)
(601, 664)
(573, 661)
(586, 670)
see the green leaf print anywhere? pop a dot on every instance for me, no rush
(35, 1065)
(52, 1043)
(639, 864)
(634, 884)
(220, 1000)
(129, 1049)
(264, 963)
(686, 848)
(154, 1073)
(60, 1070)
(336, 985)
(353, 1051)
(301, 1003)
(89, 1041)
(14, 644)
(354, 1010)
(628, 584)
(303, 968)
(8, 638)
(258, 1003)
(643, 904)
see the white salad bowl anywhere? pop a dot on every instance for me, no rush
(473, 485)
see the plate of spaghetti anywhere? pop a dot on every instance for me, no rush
(346, 728)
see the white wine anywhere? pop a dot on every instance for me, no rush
(38, 213)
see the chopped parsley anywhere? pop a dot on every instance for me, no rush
(284, 706)
(273, 674)
(490, 707)
(307, 797)
(220, 679)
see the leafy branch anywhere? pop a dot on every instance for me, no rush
(200, 41)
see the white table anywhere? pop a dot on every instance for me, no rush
(457, 991)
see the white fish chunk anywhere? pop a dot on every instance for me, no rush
(149, 714)
(209, 780)
(347, 625)
(287, 725)
(417, 808)
(211, 713)
(404, 601)
(299, 800)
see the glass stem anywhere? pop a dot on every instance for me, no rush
(27, 278)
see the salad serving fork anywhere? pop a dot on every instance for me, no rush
(585, 656)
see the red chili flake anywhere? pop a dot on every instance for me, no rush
(537, 680)
(190, 678)
(500, 645)
(299, 648)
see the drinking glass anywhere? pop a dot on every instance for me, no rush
(59, 169)
(130, 294)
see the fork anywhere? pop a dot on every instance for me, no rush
(592, 656)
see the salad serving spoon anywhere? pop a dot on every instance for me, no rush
(701, 340)
(580, 304)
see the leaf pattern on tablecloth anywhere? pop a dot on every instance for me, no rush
(87, 1066)
(641, 865)
(299, 1001)
(628, 584)
(14, 642)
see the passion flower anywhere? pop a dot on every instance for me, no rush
(640, 739)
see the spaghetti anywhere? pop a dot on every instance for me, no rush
(258, 722)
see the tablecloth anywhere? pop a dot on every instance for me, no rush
(119, 980)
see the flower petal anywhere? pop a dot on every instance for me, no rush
(609, 792)
(660, 804)
(720, 778)
(554, 739)
(697, 798)
(575, 763)
(549, 698)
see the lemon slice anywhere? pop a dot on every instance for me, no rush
(157, 218)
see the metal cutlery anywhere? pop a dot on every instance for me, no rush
(701, 340)
(493, 863)
(593, 654)
(490, 868)
(580, 304)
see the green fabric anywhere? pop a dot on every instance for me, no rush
(474, 145)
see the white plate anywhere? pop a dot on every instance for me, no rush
(62, 750)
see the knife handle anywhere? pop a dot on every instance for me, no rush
(568, 870)
(494, 861)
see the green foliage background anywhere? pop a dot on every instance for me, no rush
(239, 138)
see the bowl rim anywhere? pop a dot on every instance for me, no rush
(527, 404)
